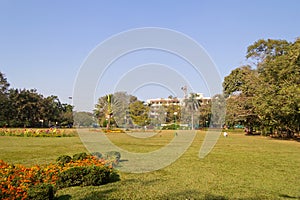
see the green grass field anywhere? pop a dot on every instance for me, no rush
(239, 167)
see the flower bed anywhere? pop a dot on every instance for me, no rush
(51, 132)
(113, 131)
(39, 182)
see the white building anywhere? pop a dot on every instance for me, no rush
(157, 105)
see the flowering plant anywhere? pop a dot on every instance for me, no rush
(17, 180)
(51, 132)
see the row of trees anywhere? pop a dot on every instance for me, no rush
(123, 110)
(266, 93)
(27, 108)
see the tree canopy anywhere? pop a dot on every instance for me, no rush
(267, 96)
(28, 108)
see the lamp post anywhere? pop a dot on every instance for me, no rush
(175, 114)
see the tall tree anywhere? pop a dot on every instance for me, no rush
(104, 111)
(218, 109)
(139, 113)
(85, 119)
(240, 89)
(205, 114)
(191, 107)
(113, 109)
(4, 107)
(278, 94)
(269, 95)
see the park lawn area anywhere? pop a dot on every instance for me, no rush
(239, 167)
(29, 151)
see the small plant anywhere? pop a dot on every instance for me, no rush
(97, 155)
(80, 156)
(41, 192)
(40, 182)
(62, 160)
(113, 157)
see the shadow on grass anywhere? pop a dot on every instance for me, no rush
(288, 196)
(63, 197)
(214, 197)
(192, 194)
(94, 195)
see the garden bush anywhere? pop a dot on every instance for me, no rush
(86, 176)
(41, 182)
(80, 156)
(62, 160)
(41, 192)
(113, 157)
(97, 155)
(171, 127)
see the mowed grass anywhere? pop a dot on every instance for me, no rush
(239, 167)
(29, 151)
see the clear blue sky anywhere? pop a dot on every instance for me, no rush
(44, 43)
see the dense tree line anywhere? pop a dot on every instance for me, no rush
(123, 110)
(266, 93)
(28, 108)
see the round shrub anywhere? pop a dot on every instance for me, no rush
(63, 159)
(113, 157)
(86, 176)
(97, 155)
(41, 192)
(80, 156)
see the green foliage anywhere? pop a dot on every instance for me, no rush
(269, 96)
(28, 108)
(171, 117)
(83, 119)
(191, 108)
(79, 156)
(112, 109)
(52, 132)
(218, 111)
(113, 157)
(86, 176)
(4, 103)
(139, 113)
(41, 192)
(171, 127)
(63, 159)
(97, 155)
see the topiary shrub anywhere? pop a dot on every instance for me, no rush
(113, 157)
(86, 176)
(71, 177)
(80, 156)
(62, 160)
(97, 155)
(41, 192)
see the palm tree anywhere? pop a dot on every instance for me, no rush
(103, 110)
(192, 104)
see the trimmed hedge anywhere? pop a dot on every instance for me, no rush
(86, 176)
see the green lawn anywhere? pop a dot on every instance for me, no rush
(239, 167)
